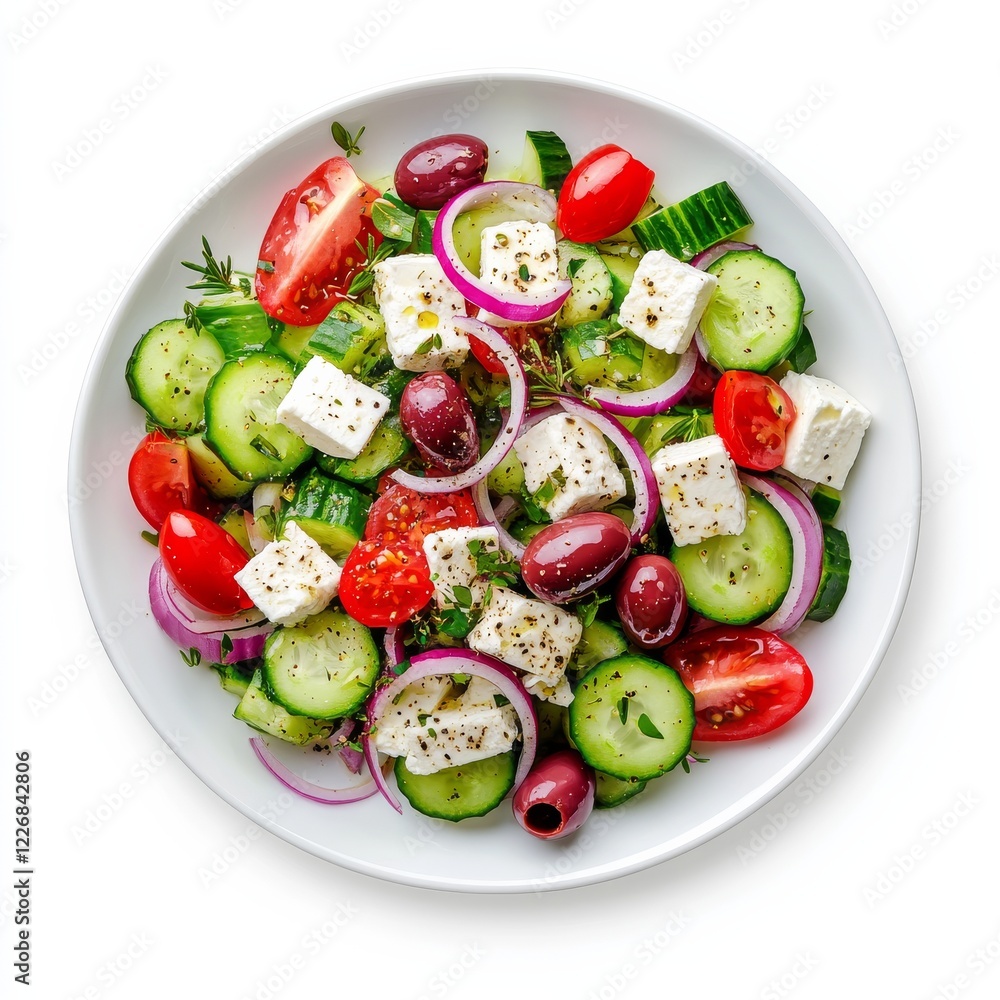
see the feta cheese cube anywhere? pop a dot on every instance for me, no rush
(665, 301)
(531, 635)
(572, 457)
(453, 731)
(824, 438)
(452, 563)
(559, 693)
(700, 490)
(418, 304)
(519, 257)
(331, 410)
(291, 578)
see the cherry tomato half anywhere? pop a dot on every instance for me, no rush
(161, 479)
(200, 557)
(309, 254)
(746, 682)
(385, 583)
(403, 514)
(602, 194)
(752, 414)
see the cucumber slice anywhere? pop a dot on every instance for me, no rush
(258, 711)
(600, 641)
(834, 576)
(292, 342)
(324, 667)
(622, 261)
(599, 353)
(460, 792)
(330, 512)
(590, 297)
(678, 424)
(168, 372)
(352, 337)
(694, 224)
(739, 578)
(232, 678)
(632, 717)
(754, 319)
(386, 447)
(212, 473)
(234, 522)
(241, 421)
(827, 502)
(507, 479)
(612, 791)
(237, 322)
(546, 160)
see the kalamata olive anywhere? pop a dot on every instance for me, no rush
(575, 555)
(651, 601)
(556, 797)
(437, 417)
(434, 170)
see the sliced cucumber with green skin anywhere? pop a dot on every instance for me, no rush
(546, 160)
(235, 523)
(600, 641)
(834, 576)
(632, 717)
(385, 447)
(591, 294)
(169, 371)
(612, 791)
(754, 318)
(599, 353)
(694, 224)
(331, 512)
(739, 578)
(241, 418)
(459, 792)
(352, 337)
(622, 261)
(507, 479)
(258, 711)
(237, 322)
(212, 472)
(681, 423)
(324, 667)
(232, 678)
(826, 501)
(392, 383)
(293, 342)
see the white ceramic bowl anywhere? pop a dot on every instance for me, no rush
(679, 811)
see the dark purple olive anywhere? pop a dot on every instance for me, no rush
(575, 555)
(556, 797)
(651, 601)
(434, 170)
(437, 417)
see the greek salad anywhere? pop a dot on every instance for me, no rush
(502, 489)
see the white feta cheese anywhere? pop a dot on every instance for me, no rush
(665, 301)
(452, 563)
(700, 490)
(451, 730)
(519, 257)
(291, 578)
(572, 457)
(331, 410)
(824, 438)
(531, 635)
(559, 693)
(418, 304)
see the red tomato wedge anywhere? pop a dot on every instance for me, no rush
(161, 479)
(752, 414)
(309, 254)
(403, 514)
(385, 583)
(746, 682)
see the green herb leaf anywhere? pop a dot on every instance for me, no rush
(462, 595)
(574, 265)
(216, 277)
(347, 142)
(623, 709)
(391, 221)
(261, 444)
(586, 610)
(500, 700)
(226, 645)
(192, 657)
(267, 266)
(150, 536)
(523, 273)
(647, 728)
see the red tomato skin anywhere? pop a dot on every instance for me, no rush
(602, 194)
(200, 557)
(385, 583)
(309, 248)
(161, 479)
(730, 666)
(402, 514)
(752, 414)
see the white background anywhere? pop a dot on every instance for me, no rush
(872, 875)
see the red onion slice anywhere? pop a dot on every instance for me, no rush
(354, 759)
(455, 661)
(807, 551)
(484, 508)
(191, 628)
(713, 253)
(395, 648)
(528, 202)
(498, 451)
(308, 789)
(647, 494)
(649, 401)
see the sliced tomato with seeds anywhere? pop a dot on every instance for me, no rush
(746, 682)
(752, 414)
(161, 479)
(403, 514)
(385, 583)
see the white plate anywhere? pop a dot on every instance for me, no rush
(678, 812)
